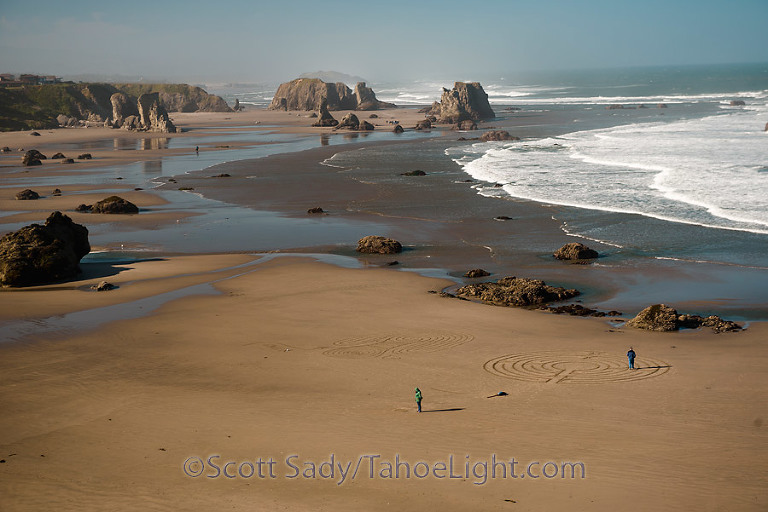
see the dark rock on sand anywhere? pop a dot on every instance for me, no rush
(378, 245)
(424, 124)
(417, 172)
(399, 129)
(497, 135)
(82, 208)
(58, 156)
(477, 272)
(68, 161)
(84, 156)
(32, 157)
(222, 175)
(575, 251)
(27, 195)
(503, 217)
(661, 317)
(316, 209)
(103, 286)
(349, 121)
(56, 192)
(516, 291)
(658, 317)
(324, 116)
(579, 310)
(116, 205)
(465, 125)
(366, 126)
(34, 134)
(40, 254)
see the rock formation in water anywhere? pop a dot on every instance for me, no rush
(308, 93)
(41, 254)
(378, 245)
(465, 101)
(575, 251)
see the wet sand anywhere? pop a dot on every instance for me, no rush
(119, 399)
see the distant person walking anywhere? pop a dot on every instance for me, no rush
(418, 400)
(197, 149)
(631, 358)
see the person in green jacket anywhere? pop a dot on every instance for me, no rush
(418, 399)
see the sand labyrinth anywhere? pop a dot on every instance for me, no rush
(574, 367)
(393, 346)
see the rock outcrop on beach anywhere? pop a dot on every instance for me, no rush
(324, 118)
(154, 117)
(575, 251)
(349, 121)
(663, 318)
(122, 107)
(465, 101)
(27, 195)
(308, 94)
(378, 245)
(41, 254)
(516, 291)
(114, 205)
(465, 125)
(497, 135)
(32, 157)
(476, 272)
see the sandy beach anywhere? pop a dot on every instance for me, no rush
(254, 380)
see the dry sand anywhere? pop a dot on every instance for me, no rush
(296, 357)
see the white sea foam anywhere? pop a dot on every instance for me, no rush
(703, 171)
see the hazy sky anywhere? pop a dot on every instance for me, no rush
(252, 40)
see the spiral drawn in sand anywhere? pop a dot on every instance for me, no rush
(574, 367)
(395, 345)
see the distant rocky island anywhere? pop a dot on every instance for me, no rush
(69, 104)
(309, 93)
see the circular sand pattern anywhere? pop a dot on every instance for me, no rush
(574, 367)
(396, 345)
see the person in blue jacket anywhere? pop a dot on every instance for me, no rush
(631, 358)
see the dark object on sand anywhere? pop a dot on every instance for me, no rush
(502, 217)
(316, 209)
(84, 156)
(103, 286)
(114, 204)
(34, 134)
(417, 172)
(58, 156)
(398, 129)
(575, 251)
(516, 291)
(222, 175)
(660, 317)
(32, 157)
(477, 272)
(84, 208)
(27, 195)
(500, 393)
(68, 161)
(40, 254)
(378, 245)
(56, 192)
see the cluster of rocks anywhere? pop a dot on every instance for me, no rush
(146, 114)
(308, 94)
(351, 122)
(579, 310)
(110, 205)
(39, 254)
(663, 318)
(373, 244)
(516, 291)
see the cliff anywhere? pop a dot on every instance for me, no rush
(37, 106)
(465, 101)
(309, 93)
